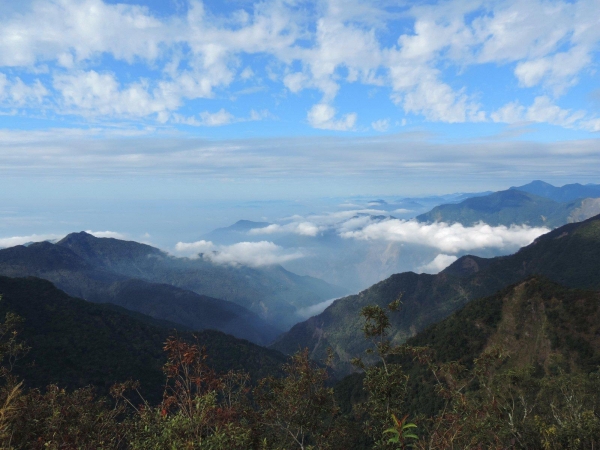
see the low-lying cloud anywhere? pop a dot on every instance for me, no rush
(313, 310)
(252, 254)
(301, 228)
(20, 240)
(449, 238)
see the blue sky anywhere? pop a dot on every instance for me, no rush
(288, 99)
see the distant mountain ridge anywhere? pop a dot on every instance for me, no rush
(569, 255)
(534, 204)
(566, 193)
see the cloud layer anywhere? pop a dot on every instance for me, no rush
(447, 238)
(252, 254)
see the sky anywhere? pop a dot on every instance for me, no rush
(156, 108)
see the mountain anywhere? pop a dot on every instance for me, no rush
(94, 276)
(272, 292)
(75, 343)
(569, 255)
(513, 206)
(537, 322)
(566, 193)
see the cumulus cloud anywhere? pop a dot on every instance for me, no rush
(196, 53)
(449, 238)
(252, 254)
(14, 92)
(322, 116)
(543, 110)
(439, 263)
(381, 125)
(20, 240)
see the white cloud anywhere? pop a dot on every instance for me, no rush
(322, 116)
(449, 238)
(301, 228)
(219, 118)
(541, 111)
(107, 234)
(20, 240)
(313, 310)
(381, 125)
(252, 254)
(439, 263)
(98, 152)
(91, 93)
(247, 74)
(197, 54)
(16, 93)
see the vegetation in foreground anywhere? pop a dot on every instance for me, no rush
(483, 402)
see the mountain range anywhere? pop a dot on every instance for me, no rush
(534, 204)
(145, 279)
(569, 255)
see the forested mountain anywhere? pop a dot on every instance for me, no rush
(569, 255)
(535, 323)
(75, 343)
(271, 292)
(87, 278)
(101, 270)
(517, 207)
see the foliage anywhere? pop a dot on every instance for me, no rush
(401, 432)
(199, 409)
(298, 410)
(492, 392)
(384, 383)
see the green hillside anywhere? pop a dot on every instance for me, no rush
(569, 255)
(75, 343)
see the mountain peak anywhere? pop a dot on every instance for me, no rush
(77, 236)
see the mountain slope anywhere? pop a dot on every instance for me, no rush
(75, 343)
(569, 255)
(536, 322)
(83, 276)
(506, 208)
(272, 292)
